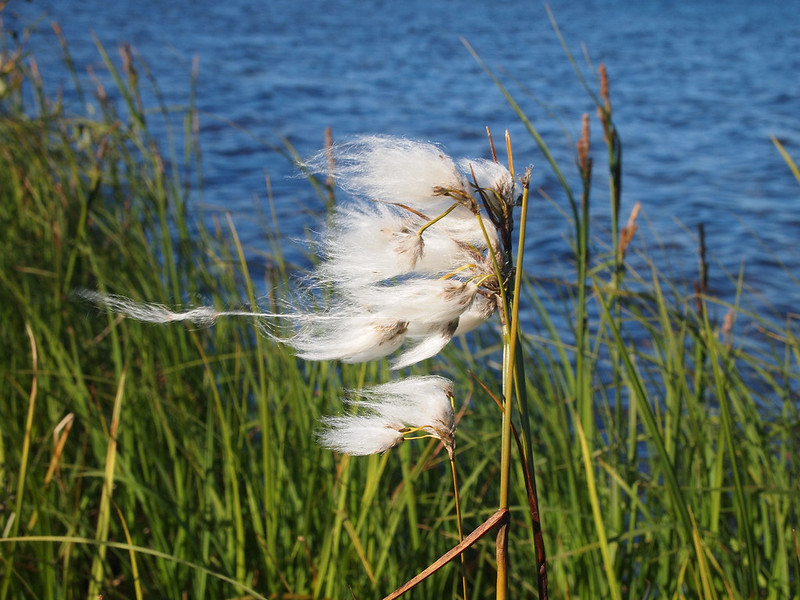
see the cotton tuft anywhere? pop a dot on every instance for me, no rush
(407, 408)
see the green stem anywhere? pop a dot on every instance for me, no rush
(451, 453)
(436, 219)
(104, 510)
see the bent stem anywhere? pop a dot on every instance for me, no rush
(499, 518)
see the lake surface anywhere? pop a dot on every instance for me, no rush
(697, 88)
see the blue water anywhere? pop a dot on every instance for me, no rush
(697, 89)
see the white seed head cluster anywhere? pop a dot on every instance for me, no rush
(407, 262)
(389, 413)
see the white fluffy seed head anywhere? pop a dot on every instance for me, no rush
(481, 309)
(492, 177)
(368, 243)
(392, 169)
(422, 402)
(349, 337)
(358, 435)
(419, 301)
(374, 321)
(414, 406)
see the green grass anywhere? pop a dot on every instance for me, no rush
(163, 461)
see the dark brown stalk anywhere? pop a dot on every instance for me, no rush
(612, 141)
(533, 507)
(498, 518)
(491, 143)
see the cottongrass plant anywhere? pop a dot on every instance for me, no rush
(421, 253)
(669, 434)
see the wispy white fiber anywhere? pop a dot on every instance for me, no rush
(413, 407)
(203, 316)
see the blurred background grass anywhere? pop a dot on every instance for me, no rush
(140, 460)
